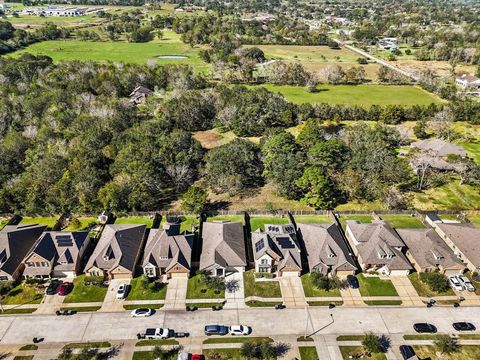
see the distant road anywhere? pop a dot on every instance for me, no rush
(377, 60)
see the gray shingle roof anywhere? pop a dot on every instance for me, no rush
(466, 237)
(439, 147)
(223, 244)
(326, 247)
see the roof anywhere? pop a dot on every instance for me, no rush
(379, 244)
(165, 250)
(60, 247)
(466, 238)
(15, 242)
(468, 78)
(439, 147)
(223, 244)
(428, 249)
(437, 162)
(280, 243)
(118, 246)
(326, 247)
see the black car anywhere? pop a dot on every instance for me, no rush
(464, 326)
(352, 281)
(216, 330)
(53, 287)
(407, 352)
(424, 328)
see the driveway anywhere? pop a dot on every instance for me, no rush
(236, 297)
(351, 297)
(406, 291)
(292, 291)
(111, 303)
(176, 293)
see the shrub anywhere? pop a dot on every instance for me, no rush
(372, 343)
(75, 223)
(446, 344)
(93, 280)
(6, 286)
(324, 282)
(435, 281)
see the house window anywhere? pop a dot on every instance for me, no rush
(38, 264)
(264, 262)
(150, 272)
(220, 272)
(3, 278)
(44, 263)
(30, 264)
(263, 269)
(163, 257)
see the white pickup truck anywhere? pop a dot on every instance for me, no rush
(158, 333)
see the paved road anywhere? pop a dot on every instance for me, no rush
(21, 329)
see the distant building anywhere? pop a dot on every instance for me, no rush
(435, 153)
(56, 11)
(468, 82)
(139, 95)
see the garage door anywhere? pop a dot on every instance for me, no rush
(179, 275)
(121, 276)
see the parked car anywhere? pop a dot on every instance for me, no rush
(142, 312)
(455, 283)
(407, 352)
(65, 312)
(182, 334)
(65, 288)
(353, 281)
(424, 328)
(216, 330)
(158, 333)
(52, 288)
(464, 326)
(122, 292)
(189, 356)
(240, 330)
(466, 283)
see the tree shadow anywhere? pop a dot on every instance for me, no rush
(386, 342)
(281, 349)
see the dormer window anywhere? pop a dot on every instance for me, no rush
(163, 257)
(3, 256)
(331, 255)
(108, 254)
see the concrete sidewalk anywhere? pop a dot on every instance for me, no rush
(351, 297)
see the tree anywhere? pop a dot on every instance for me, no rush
(248, 350)
(446, 344)
(372, 343)
(194, 200)
(420, 129)
(142, 34)
(6, 30)
(436, 281)
(332, 74)
(319, 191)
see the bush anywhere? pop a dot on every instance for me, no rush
(93, 280)
(75, 223)
(436, 282)
(323, 282)
(362, 61)
(372, 343)
(6, 286)
(446, 344)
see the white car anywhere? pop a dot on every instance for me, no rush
(455, 283)
(466, 283)
(158, 333)
(142, 312)
(240, 330)
(122, 291)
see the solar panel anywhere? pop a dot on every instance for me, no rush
(285, 242)
(259, 245)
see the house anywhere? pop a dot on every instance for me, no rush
(435, 153)
(464, 240)
(378, 247)
(56, 254)
(168, 252)
(428, 252)
(117, 252)
(468, 82)
(276, 250)
(15, 243)
(223, 248)
(326, 250)
(440, 148)
(139, 95)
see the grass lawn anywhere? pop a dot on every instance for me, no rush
(402, 221)
(421, 337)
(236, 340)
(469, 336)
(82, 308)
(150, 306)
(28, 347)
(119, 51)
(423, 289)
(23, 294)
(360, 95)
(57, 20)
(145, 220)
(473, 149)
(235, 218)
(351, 350)
(451, 196)
(324, 303)
(374, 286)
(258, 222)
(355, 205)
(350, 337)
(474, 219)
(312, 291)
(205, 305)
(17, 311)
(88, 345)
(26, 357)
(313, 219)
(85, 222)
(154, 291)
(195, 284)
(308, 353)
(254, 303)
(47, 221)
(156, 342)
(364, 219)
(267, 289)
(230, 354)
(383, 302)
(85, 293)
(467, 352)
(142, 355)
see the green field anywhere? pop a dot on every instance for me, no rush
(47, 221)
(374, 286)
(267, 289)
(361, 95)
(145, 220)
(451, 196)
(402, 221)
(313, 219)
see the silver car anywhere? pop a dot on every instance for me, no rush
(455, 283)
(466, 283)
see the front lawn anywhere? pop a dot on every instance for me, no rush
(197, 289)
(24, 293)
(402, 221)
(374, 286)
(423, 289)
(467, 352)
(156, 342)
(308, 353)
(312, 291)
(153, 291)
(85, 293)
(348, 351)
(266, 289)
(230, 354)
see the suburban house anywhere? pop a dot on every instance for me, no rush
(223, 248)
(139, 95)
(437, 154)
(168, 252)
(464, 240)
(428, 252)
(15, 243)
(468, 82)
(439, 147)
(56, 254)
(378, 247)
(276, 250)
(326, 250)
(117, 252)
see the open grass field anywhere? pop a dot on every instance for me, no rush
(402, 221)
(47, 221)
(467, 352)
(475, 219)
(146, 220)
(374, 286)
(451, 196)
(85, 293)
(313, 219)
(473, 149)
(267, 289)
(312, 291)
(85, 222)
(361, 95)
(363, 218)
(25, 20)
